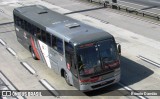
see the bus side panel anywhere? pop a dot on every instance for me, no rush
(19, 34)
(52, 58)
(45, 52)
(35, 47)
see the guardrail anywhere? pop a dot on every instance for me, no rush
(129, 9)
(140, 11)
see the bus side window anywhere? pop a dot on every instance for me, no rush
(38, 33)
(59, 44)
(18, 21)
(22, 25)
(33, 30)
(29, 28)
(15, 20)
(48, 39)
(43, 35)
(54, 42)
(69, 54)
(26, 25)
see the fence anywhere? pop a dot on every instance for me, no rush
(130, 8)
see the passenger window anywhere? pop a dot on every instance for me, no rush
(54, 42)
(68, 48)
(69, 53)
(21, 24)
(29, 28)
(59, 44)
(26, 25)
(43, 33)
(15, 20)
(48, 39)
(37, 32)
(18, 21)
(33, 30)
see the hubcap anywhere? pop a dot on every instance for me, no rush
(67, 79)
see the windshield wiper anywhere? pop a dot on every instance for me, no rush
(80, 67)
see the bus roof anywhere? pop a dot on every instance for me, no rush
(60, 25)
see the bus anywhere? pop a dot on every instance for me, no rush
(87, 57)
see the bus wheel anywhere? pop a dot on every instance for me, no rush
(66, 78)
(33, 54)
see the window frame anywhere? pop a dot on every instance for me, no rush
(59, 48)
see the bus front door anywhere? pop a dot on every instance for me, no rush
(54, 56)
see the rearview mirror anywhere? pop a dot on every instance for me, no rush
(119, 48)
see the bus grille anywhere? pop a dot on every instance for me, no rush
(102, 84)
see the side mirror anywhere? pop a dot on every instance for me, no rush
(119, 48)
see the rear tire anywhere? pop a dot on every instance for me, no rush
(67, 78)
(33, 54)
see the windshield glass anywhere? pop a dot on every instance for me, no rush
(107, 50)
(91, 57)
(87, 58)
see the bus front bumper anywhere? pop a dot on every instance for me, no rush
(100, 84)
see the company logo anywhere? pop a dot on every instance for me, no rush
(6, 93)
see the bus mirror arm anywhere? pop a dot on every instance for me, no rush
(119, 48)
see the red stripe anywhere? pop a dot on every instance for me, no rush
(95, 79)
(34, 48)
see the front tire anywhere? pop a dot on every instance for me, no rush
(33, 54)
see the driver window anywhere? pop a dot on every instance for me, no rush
(69, 53)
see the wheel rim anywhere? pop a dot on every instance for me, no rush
(66, 77)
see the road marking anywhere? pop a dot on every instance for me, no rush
(149, 61)
(8, 85)
(28, 67)
(11, 51)
(131, 90)
(103, 21)
(2, 42)
(47, 85)
(71, 4)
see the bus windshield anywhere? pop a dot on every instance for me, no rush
(91, 57)
(107, 50)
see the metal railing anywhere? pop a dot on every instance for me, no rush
(127, 8)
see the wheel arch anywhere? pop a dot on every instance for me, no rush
(62, 72)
